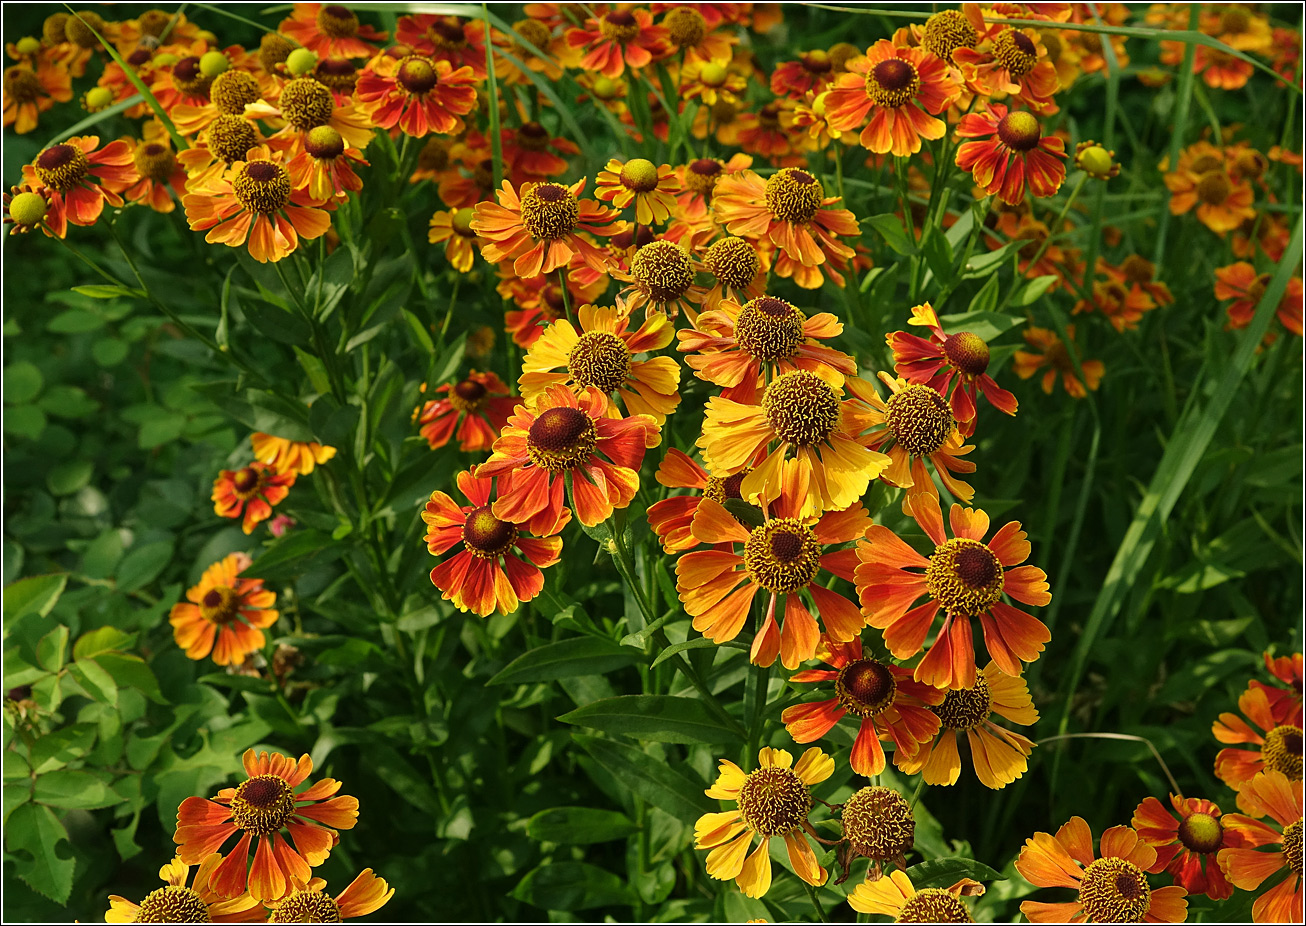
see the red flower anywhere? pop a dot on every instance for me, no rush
(619, 38)
(1186, 846)
(1014, 63)
(1278, 747)
(80, 179)
(1240, 282)
(459, 41)
(417, 94)
(254, 489)
(331, 31)
(1013, 156)
(478, 407)
(1268, 793)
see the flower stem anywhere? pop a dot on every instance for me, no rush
(1038, 255)
(816, 903)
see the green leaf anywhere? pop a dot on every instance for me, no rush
(25, 421)
(74, 790)
(142, 565)
(67, 478)
(656, 718)
(572, 886)
(395, 770)
(277, 324)
(34, 834)
(892, 231)
(132, 670)
(655, 781)
(237, 682)
(675, 648)
(579, 825)
(984, 301)
(750, 514)
(75, 321)
(22, 382)
(945, 872)
(987, 325)
(100, 640)
(52, 648)
(101, 291)
(938, 254)
(294, 554)
(316, 371)
(33, 595)
(1032, 291)
(96, 682)
(567, 659)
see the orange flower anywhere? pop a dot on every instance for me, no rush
(227, 95)
(303, 109)
(1053, 259)
(310, 903)
(478, 407)
(1240, 282)
(540, 300)
(790, 210)
(1112, 889)
(601, 355)
(80, 179)
(688, 30)
(199, 902)
(1052, 354)
(652, 188)
(1186, 846)
(803, 418)
(811, 74)
(710, 81)
(530, 153)
(947, 31)
(963, 576)
(331, 31)
(264, 805)
(514, 42)
(1137, 273)
(781, 557)
(224, 614)
(887, 703)
(672, 518)
(253, 200)
(538, 231)
(1013, 157)
(227, 139)
(1287, 669)
(897, 897)
(30, 91)
(461, 244)
(485, 574)
(1012, 62)
(617, 39)
(901, 85)
(953, 365)
(323, 165)
(417, 94)
(1123, 306)
(660, 279)
(915, 424)
(739, 268)
(459, 41)
(1202, 179)
(259, 485)
(1277, 748)
(729, 833)
(1269, 792)
(733, 345)
(157, 171)
(287, 455)
(563, 434)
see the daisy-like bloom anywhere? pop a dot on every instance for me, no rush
(157, 172)
(497, 568)
(884, 699)
(710, 82)
(1052, 354)
(1287, 669)
(229, 94)
(454, 228)
(902, 86)
(227, 139)
(790, 210)
(650, 187)
(324, 166)
(1038, 256)
(897, 897)
(531, 153)
(1247, 868)
(1013, 62)
(1014, 155)
(477, 407)
(955, 366)
(733, 345)
(80, 179)
(459, 41)
(1186, 845)
(253, 489)
(261, 808)
(782, 557)
(177, 903)
(1238, 27)
(331, 31)
(1240, 282)
(805, 419)
(417, 94)
(914, 425)
(224, 614)
(688, 29)
(1222, 202)
(949, 30)
(564, 434)
(661, 280)
(998, 755)
(310, 903)
(287, 455)
(1278, 747)
(672, 518)
(25, 208)
(254, 200)
(538, 229)
(811, 74)
(601, 355)
(30, 91)
(1136, 272)
(305, 105)
(739, 269)
(179, 80)
(540, 299)
(1112, 889)
(964, 577)
(618, 39)
(514, 44)
(1123, 306)
(878, 824)
(774, 799)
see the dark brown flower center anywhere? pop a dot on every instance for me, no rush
(964, 576)
(1282, 751)
(337, 22)
(262, 805)
(220, 605)
(1115, 891)
(306, 907)
(770, 329)
(620, 26)
(62, 167)
(486, 536)
(1214, 187)
(879, 823)
(262, 186)
(774, 801)
(865, 687)
(155, 161)
(782, 555)
(189, 79)
(561, 438)
(416, 75)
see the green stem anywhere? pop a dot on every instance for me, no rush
(920, 789)
(1042, 248)
(816, 903)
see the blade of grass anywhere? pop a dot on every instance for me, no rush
(1177, 130)
(213, 8)
(492, 83)
(95, 119)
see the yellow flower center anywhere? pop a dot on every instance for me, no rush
(262, 186)
(802, 408)
(686, 25)
(713, 74)
(189, 78)
(770, 329)
(599, 359)
(782, 555)
(549, 211)
(816, 62)
(97, 98)
(733, 261)
(273, 49)
(919, 419)
(721, 488)
(306, 104)
(865, 688)
(619, 26)
(1201, 832)
(793, 195)
(233, 89)
(21, 85)
(173, 904)
(337, 22)
(561, 439)
(1214, 187)
(1206, 163)
(78, 29)
(28, 209)
(214, 63)
(605, 88)
(934, 905)
(462, 222)
(892, 83)
(1115, 891)
(947, 31)
(1292, 848)
(1018, 130)
(702, 175)
(878, 823)
(467, 395)
(724, 112)
(1282, 751)
(416, 75)
(486, 536)
(324, 143)
(841, 53)
(774, 801)
(964, 576)
(640, 175)
(968, 352)
(306, 907)
(1016, 52)
(155, 161)
(533, 31)
(262, 805)
(231, 137)
(300, 62)
(965, 709)
(62, 167)
(662, 270)
(1095, 161)
(220, 605)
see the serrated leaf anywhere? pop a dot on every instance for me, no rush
(579, 825)
(567, 659)
(656, 782)
(656, 718)
(34, 835)
(71, 789)
(33, 595)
